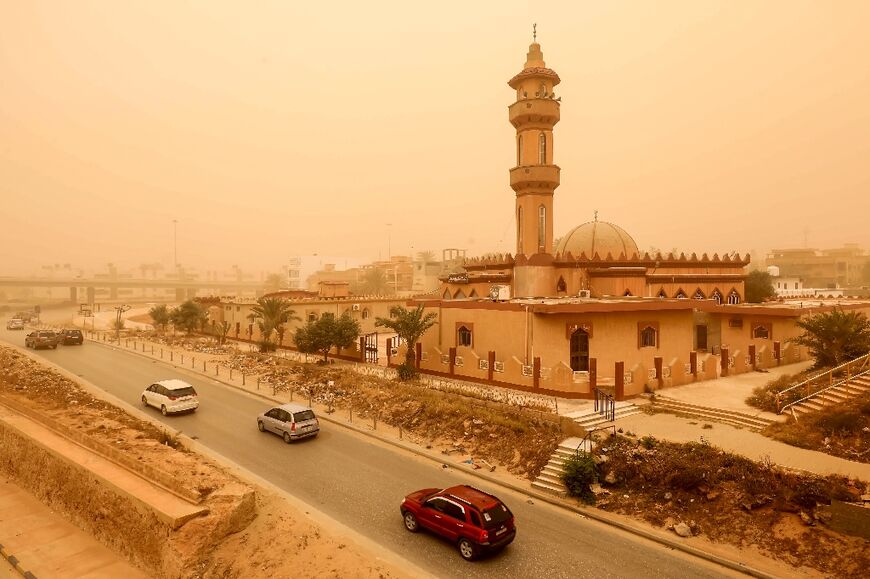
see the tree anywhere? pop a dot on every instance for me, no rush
(321, 335)
(271, 314)
(410, 325)
(835, 337)
(759, 286)
(188, 316)
(375, 283)
(160, 316)
(220, 331)
(274, 282)
(426, 256)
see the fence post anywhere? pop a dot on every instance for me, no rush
(400, 432)
(171, 355)
(193, 361)
(231, 372)
(375, 421)
(203, 365)
(217, 370)
(258, 382)
(309, 399)
(350, 410)
(243, 378)
(291, 395)
(161, 353)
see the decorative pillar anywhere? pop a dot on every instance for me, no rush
(491, 358)
(752, 356)
(724, 361)
(593, 374)
(536, 372)
(389, 351)
(362, 349)
(619, 381)
(777, 352)
(693, 364)
(452, 359)
(659, 364)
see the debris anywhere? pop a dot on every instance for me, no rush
(683, 530)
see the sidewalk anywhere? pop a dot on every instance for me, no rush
(47, 545)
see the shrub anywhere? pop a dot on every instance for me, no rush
(407, 372)
(579, 474)
(648, 442)
(840, 420)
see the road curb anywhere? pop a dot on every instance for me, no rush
(594, 514)
(16, 564)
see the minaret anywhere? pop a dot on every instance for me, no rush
(535, 177)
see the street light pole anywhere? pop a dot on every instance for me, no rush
(389, 240)
(175, 243)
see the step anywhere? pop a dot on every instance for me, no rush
(595, 419)
(727, 416)
(551, 489)
(549, 479)
(551, 470)
(589, 411)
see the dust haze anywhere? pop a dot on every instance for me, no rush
(276, 129)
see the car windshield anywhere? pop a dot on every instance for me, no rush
(45, 334)
(495, 517)
(304, 415)
(186, 391)
(73, 332)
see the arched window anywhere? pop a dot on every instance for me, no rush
(519, 229)
(648, 337)
(519, 150)
(312, 316)
(542, 149)
(561, 286)
(463, 337)
(716, 297)
(542, 227)
(699, 295)
(365, 313)
(733, 297)
(761, 332)
(580, 351)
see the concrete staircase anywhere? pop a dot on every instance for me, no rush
(550, 478)
(731, 417)
(855, 387)
(590, 419)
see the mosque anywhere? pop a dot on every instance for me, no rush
(592, 311)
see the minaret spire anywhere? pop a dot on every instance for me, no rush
(535, 32)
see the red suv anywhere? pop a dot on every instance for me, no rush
(476, 521)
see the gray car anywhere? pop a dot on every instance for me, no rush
(290, 421)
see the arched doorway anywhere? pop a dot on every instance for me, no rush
(580, 351)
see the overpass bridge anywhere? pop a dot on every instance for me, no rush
(184, 288)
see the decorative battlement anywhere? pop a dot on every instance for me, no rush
(732, 259)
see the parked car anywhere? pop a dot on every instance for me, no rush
(15, 324)
(476, 521)
(290, 421)
(41, 339)
(71, 337)
(171, 396)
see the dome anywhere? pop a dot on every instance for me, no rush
(598, 237)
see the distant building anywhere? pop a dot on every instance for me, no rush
(301, 267)
(826, 268)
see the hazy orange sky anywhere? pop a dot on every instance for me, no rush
(271, 129)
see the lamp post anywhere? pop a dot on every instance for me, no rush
(175, 244)
(389, 240)
(120, 310)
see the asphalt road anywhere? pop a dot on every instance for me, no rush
(360, 482)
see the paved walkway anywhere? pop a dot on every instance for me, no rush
(48, 546)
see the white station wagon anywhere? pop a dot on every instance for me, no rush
(171, 396)
(290, 421)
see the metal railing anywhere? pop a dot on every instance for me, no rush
(852, 369)
(590, 436)
(605, 404)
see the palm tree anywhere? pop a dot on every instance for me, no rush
(410, 325)
(426, 256)
(835, 337)
(271, 314)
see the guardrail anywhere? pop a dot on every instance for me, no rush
(852, 369)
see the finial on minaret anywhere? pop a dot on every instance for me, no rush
(535, 32)
(596, 215)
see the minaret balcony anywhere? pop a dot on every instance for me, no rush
(534, 111)
(535, 177)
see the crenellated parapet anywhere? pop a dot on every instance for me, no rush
(732, 259)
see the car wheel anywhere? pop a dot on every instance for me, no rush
(144, 400)
(163, 410)
(467, 550)
(411, 522)
(260, 426)
(287, 437)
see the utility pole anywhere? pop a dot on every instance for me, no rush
(175, 244)
(120, 310)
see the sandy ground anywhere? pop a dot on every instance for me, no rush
(226, 542)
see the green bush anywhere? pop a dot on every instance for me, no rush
(845, 420)
(579, 474)
(407, 372)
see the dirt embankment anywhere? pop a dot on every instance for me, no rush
(247, 531)
(697, 489)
